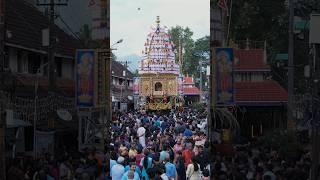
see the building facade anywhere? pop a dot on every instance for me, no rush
(190, 92)
(28, 103)
(260, 101)
(122, 87)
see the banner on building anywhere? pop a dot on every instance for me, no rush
(85, 78)
(224, 76)
(136, 81)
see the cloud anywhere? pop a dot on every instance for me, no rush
(133, 25)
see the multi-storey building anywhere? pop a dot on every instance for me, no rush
(122, 87)
(190, 92)
(261, 101)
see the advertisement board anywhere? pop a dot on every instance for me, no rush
(84, 77)
(224, 74)
(136, 82)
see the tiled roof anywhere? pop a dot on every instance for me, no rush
(191, 91)
(25, 22)
(188, 80)
(265, 91)
(251, 59)
(118, 68)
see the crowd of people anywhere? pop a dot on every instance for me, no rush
(254, 162)
(170, 146)
(175, 147)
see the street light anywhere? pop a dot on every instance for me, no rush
(118, 42)
(35, 108)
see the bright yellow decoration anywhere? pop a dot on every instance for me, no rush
(226, 135)
(159, 106)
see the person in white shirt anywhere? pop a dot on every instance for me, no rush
(117, 170)
(141, 132)
(138, 121)
(193, 170)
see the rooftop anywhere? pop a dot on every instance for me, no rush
(188, 80)
(118, 68)
(250, 59)
(25, 24)
(191, 91)
(266, 91)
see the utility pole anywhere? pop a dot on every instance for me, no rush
(52, 40)
(314, 40)
(200, 64)
(315, 124)
(2, 103)
(290, 121)
(125, 75)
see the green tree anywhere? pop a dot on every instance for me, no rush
(114, 57)
(201, 52)
(136, 73)
(202, 47)
(183, 36)
(260, 20)
(268, 20)
(194, 51)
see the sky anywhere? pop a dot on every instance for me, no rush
(133, 25)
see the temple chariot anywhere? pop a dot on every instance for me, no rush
(160, 82)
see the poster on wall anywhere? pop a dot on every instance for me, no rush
(136, 81)
(224, 70)
(85, 78)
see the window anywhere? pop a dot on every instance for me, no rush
(158, 86)
(246, 76)
(114, 82)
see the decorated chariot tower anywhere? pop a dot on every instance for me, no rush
(159, 83)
